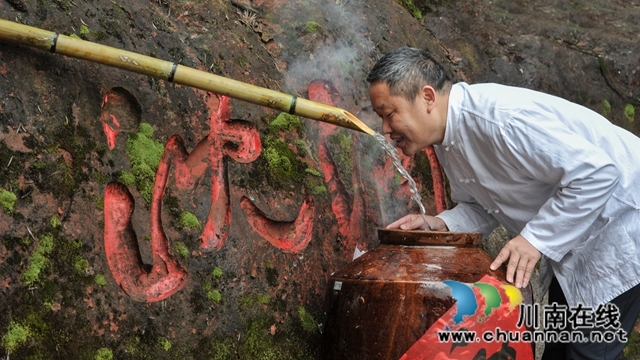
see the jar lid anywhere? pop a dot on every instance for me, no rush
(428, 238)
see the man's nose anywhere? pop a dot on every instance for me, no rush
(386, 129)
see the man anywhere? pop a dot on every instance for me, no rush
(559, 177)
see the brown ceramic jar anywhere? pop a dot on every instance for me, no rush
(380, 304)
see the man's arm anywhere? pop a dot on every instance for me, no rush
(467, 216)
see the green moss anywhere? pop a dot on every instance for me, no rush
(223, 350)
(73, 35)
(315, 183)
(216, 273)
(84, 30)
(133, 345)
(55, 222)
(606, 108)
(319, 190)
(16, 335)
(411, 7)
(248, 301)
(144, 154)
(214, 295)
(104, 354)
(99, 202)
(39, 165)
(282, 164)
(146, 130)
(312, 172)
(277, 161)
(307, 321)
(341, 145)
(63, 5)
(35, 321)
(81, 265)
(100, 178)
(26, 241)
(263, 299)
(312, 27)
(470, 55)
(7, 200)
(38, 260)
(56, 176)
(206, 285)
(397, 180)
(46, 244)
(301, 147)
(100, 280)
(259, 343)
(100, 35)
(127, 178)
(165, 343)
(189, 220)
(76, 245)
(285, 122)
(216, 67)
(262, 340)
(630, 112)
(181, 249)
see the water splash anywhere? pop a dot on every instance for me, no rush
(415, 195)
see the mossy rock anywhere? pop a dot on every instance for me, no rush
(286, 122)
(16, 335)
(312, 27)
(189, 220)
(144, 154)
(7, 200)
(281, 165)
(341, 150)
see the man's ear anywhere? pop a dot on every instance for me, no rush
(428, 95)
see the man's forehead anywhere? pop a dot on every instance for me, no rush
(379, 94)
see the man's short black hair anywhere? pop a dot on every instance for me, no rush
(406, 70)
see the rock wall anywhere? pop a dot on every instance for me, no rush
(143, 219)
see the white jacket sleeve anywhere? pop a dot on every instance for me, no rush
(468, 215)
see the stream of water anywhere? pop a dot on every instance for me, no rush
(415, 195)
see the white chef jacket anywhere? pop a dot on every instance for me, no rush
(553, 171)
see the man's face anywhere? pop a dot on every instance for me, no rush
(410, 124)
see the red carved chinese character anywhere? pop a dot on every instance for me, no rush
(236, 139)
(349, 212)
(165, 277)
(291, 236)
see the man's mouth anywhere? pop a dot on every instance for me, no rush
(399, 141)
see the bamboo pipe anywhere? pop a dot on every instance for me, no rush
(179, 74)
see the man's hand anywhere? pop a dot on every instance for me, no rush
(522, 257)
(416, 221)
